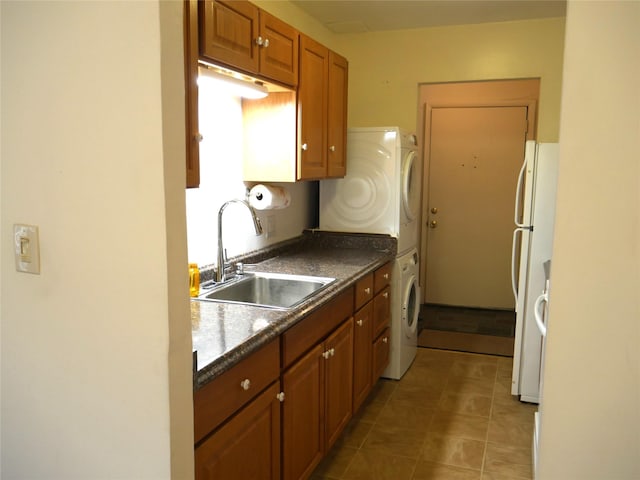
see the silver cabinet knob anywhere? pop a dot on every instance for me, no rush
(359, 322)
(304, 146)
(332, 352)
(245, 384)
(265, 44)
(280, 396)
(385, 294)
(259, 41)
(385, 340)
(367, 290)
(326, 354)
(198, 137)
(386, 276)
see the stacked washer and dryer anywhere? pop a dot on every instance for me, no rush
(381, 194)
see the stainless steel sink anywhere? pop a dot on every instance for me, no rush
(272, 290)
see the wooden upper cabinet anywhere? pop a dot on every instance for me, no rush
(312, 105)
(337, 115)
(299, 131)
(279, 51)
(192, 132)
(228, 31)
(239, 35)
(322, 103)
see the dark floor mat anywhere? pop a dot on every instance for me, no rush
(467, 329)
(499, 323)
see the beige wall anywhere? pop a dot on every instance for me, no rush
(87, 345)
(291, 14)
(591, 397)
(385, 68)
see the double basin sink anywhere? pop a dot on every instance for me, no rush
(270, 290)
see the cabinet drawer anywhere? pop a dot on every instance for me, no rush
(220, 398)
(304, 335)
(381, 354)
(382, 277)
(381, 311)
(364, 291)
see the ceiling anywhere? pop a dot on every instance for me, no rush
(358, 16)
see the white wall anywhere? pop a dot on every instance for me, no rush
(220, 123)
(86, 345)
(591, 398)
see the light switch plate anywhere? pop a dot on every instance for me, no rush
(26, 248)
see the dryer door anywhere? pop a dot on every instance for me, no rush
(410, 186)
(410, 307)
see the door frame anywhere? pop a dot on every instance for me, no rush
(487, 93)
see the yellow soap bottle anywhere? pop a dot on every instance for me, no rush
(194, 280)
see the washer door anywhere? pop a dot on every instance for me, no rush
(410, 307)
(410, 186)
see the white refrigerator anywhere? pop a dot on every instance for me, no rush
(532, 247)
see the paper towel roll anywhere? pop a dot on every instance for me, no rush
(266, 197)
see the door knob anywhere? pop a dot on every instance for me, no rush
(434, 210)
(433, 224)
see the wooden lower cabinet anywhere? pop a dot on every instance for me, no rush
(247, 446)
(338, 382)
(317, 403)
(265, 428)
(302, 414)
(381, 349)
(362, 343)
(381, 311)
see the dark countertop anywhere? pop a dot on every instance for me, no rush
(225, 333)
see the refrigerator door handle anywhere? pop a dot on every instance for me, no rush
(514, 286)
(537, 313)
(519, 186)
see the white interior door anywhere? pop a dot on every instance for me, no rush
(475, 154)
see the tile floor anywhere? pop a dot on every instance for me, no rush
(450, 417)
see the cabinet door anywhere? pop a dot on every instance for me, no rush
(380, 354)
(338, 382)
(337, 116)
(362, 355)
(191, 92)
(381, 311)
(255, 430)
(228, 33)
(279, 52)
(302, 413)
(312, 104)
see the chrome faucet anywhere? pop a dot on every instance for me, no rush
(220, 271)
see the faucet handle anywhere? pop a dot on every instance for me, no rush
(239, 268)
